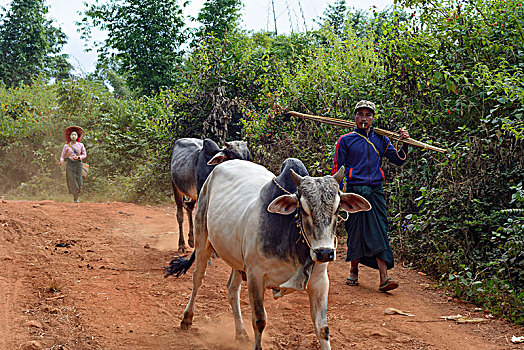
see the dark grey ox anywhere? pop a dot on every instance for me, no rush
(192, 160)
(244, 214)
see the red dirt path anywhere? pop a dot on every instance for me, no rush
(89, 276)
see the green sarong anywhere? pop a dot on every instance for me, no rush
(74, 176)
(368, 230)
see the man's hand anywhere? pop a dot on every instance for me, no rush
(403, 133)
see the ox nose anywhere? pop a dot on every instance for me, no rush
(325, 255)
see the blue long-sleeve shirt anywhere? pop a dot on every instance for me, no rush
(361, 156)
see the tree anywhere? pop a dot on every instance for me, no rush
(144, 37)
(29, 44)
(218, 17)
(336, 16)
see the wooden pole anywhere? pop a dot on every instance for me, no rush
(350, 124)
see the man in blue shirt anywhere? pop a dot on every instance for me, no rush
(361, 152)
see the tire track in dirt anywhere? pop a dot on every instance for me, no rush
(10, 281)
(9, 285)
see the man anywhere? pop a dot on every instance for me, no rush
(361, 152)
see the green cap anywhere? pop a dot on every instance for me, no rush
(365, 104)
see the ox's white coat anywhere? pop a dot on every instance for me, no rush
(227, 221)
(229, 204)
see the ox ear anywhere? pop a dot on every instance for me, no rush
(352, 202)
(297, 179)
(217, 159)
(285, 204)
(339, 174)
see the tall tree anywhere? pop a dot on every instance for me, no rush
(336, 16)
(218, 17)
(143, 36)
(29, 43)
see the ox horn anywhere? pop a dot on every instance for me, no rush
(297, 179)
(339, 175)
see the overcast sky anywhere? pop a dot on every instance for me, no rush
(256, 15)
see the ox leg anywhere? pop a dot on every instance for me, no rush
(202, 254)
(179, 200)
(233, 289)
(190, 205)
(258, 312)
(318, 289)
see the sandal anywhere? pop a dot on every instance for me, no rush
(352, 281)
(389, 284)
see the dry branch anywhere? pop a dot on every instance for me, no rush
(350, 124)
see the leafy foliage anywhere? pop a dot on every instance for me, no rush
(336, 16)
(144, 38)
(30, 44)
(218, 17)
(457, 79)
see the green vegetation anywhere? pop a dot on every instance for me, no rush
(146, 55)
(30, 44)
(218, 17)
(451, 72)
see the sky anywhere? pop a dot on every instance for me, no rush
(256, 15)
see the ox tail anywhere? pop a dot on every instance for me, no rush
(179, 265)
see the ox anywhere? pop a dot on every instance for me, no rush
(244, 215)
(192, 160)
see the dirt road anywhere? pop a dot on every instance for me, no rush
(89, 276)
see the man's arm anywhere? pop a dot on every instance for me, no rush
(391, 153)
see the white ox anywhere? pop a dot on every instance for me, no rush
(243, 214)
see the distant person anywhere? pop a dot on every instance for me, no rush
(361, 153)
(73, 153)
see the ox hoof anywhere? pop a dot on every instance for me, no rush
(182, 249)
(185, 326)
(191, 244)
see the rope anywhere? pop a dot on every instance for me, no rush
(298, 218)
(301, 229)
(367, 140)
(343, 219)
(278, 185)
(396, 148)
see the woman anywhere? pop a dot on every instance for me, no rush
(73, 153)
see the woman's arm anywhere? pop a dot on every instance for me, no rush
(83, 153)
(64, 154)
